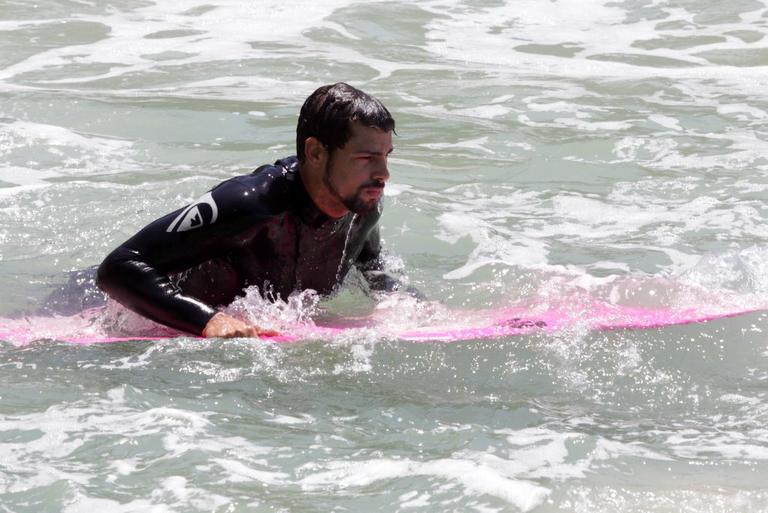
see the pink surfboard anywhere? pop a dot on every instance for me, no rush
(85, 328)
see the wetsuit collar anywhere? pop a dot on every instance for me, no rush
(305, 208)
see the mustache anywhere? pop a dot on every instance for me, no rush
(372, 184)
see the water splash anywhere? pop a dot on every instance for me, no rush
(272, 312)
(344, 251)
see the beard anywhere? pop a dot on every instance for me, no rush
(355, 202)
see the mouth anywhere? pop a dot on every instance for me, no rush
(373, 192)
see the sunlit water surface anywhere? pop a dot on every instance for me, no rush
(613, 150)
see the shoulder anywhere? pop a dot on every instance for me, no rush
(269, 190)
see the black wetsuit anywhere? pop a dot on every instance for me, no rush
(260, 229)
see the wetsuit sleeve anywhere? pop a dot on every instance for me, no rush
(137, 273)
(371, 264)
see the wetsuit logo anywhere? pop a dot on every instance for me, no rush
(201, 212)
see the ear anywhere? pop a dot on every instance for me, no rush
(315, 152)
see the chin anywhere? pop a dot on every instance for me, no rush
(362, 206)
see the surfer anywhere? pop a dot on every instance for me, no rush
(300, 223)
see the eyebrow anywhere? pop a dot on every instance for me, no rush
(374, 152)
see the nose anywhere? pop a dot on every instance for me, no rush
(381, 172)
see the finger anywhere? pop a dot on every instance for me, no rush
(255, 331)
(237, 332)
(247, 333)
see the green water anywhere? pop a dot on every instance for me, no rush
(615, 150)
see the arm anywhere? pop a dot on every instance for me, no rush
(136, 274)
(371, 264)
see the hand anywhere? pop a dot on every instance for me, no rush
(225, 326)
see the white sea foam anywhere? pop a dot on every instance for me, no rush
(566, 37)
(25, 178)
(729, 446)
(289, 420)
(162, 34)
(476, 478)
(172, 492)
(517, 229)
(740, 399)
(59, 432)
(238, 472)
(414, 500)
(745, 151)
(472, 144)
(66, 428)
(51, 151)
(687, 497)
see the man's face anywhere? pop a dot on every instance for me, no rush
(355, 174)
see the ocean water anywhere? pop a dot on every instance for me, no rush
(613, 150)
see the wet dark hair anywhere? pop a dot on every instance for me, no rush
(328, 114)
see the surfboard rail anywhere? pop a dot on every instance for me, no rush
(85, 328)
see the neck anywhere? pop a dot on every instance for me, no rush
(324, 199)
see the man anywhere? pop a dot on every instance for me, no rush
(300, 223)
